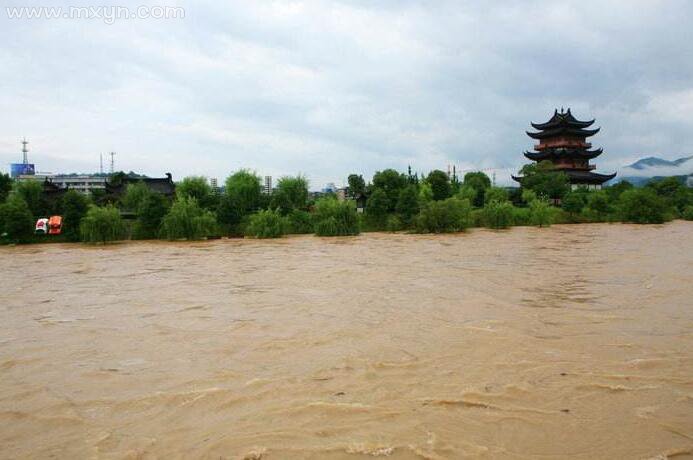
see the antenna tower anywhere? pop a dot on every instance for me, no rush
(25, 151)
(112, 154)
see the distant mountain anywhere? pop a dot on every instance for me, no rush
(648, 168)
(654, 162)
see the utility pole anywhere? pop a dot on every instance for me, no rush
(112, 162)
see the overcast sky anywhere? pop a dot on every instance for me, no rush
(329, 88)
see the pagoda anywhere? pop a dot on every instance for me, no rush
(563, 142)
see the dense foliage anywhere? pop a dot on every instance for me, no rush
(335, 218)
(16, 221)
(187, 220)
(75, 207)
(266, 224)
(101, 225)
(450, 215)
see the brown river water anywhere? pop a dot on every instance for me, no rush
(568, 342)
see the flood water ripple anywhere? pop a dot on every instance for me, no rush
(574, 341)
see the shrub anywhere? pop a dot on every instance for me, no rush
(598, 206)
(541, 213)
(642, 206)
(687, 213)
(75, 207)
(450, 215)
(187, 220)
(335, 218)
(101, 225)
(408, 203)
(150, 213)
(521, 216)
(377, 209)
(394, 224)
(498, 214)
(16, 220)
(495, 194)
(265, 224)
(299, 222)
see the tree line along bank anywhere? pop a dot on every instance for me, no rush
(394, 201)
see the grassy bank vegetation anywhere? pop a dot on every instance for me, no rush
(393, 201)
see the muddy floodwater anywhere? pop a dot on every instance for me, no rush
(567, 342)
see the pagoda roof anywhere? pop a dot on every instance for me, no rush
(563, 123)
(563, 152)
(577, 176)
(587, 177)
(563, 130)
(562, 119)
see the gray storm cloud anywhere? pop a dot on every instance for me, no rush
(330, 88)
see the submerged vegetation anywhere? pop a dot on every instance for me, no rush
(392, 201)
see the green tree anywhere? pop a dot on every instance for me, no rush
(391, 182)
(150, 213)
(440, 184)
(544, 180)
(408, 204)
(425, 193)
(614, 191)
(134, 195)
(495, 194)
(498, 213)
(573, 202)
(676, 194)
(16, 220)
(598, 206)
(541, 213)
(291, 193)
(642, 206)
(101, 225)
(450, 215)
(187, 220)
(377, 208)
(5, 186)
(335, 218)
(196, 187)
(357, 185)
(32, 193)
(243, 195)
(299, 222)
(479, 182)
(75, 207)
(266, 224)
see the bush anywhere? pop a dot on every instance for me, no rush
(394, 224)
(335, 218)
(495, 194)
(16, 220)
(450, 215)
(498, 214)
(687, 213)
(75, 207)
(187, 220)
(408, 203)
(598, 207)
(299, 222)
(265, 224)
(521, 216)
(101, 225)
(541, 213)
(150, 213)
(642, 206)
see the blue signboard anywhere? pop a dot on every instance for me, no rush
(18, 169)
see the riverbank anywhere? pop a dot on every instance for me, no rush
(569, 341)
